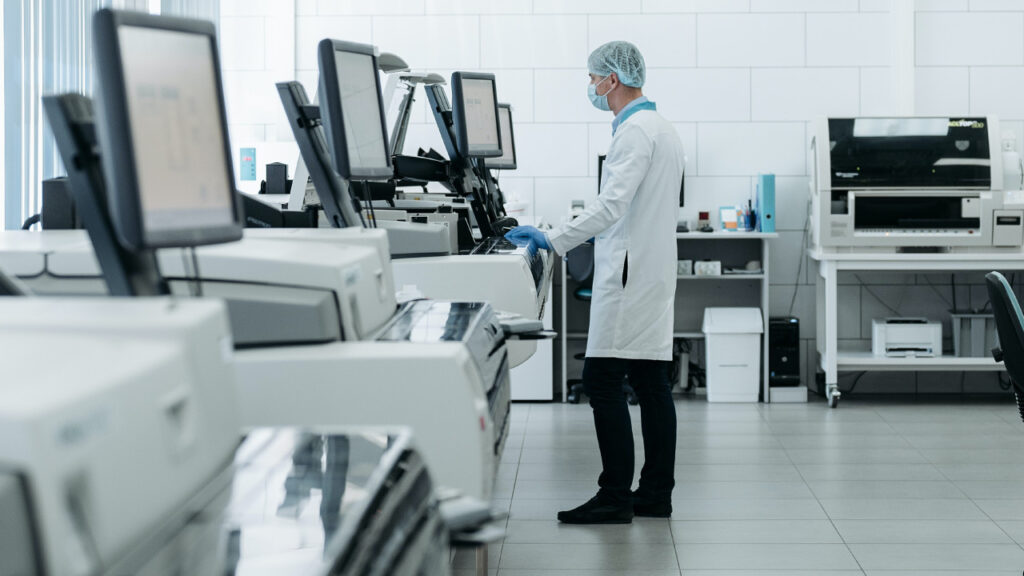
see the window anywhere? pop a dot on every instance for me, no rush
(47, 49)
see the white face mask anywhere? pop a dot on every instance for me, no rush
(600, 101)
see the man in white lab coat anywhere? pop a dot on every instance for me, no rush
(633, 223)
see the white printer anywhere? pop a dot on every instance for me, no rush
(906, 337)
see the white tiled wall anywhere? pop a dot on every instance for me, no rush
(740, 79)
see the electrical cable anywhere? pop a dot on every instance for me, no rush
(800, 266)
(31, 221)
(936, 290)
(878, 298)
(368, 198)
(185, 271)
(853, 386)
(195, 273)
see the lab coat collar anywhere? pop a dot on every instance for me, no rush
(638, 104)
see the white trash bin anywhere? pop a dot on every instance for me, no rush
(733, 353)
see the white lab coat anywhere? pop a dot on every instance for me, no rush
(633, 217)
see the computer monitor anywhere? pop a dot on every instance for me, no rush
(475, 115)
(507, 160)
(162, 128)
(352, 110)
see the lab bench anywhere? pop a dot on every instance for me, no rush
(834, 358)
(693, 295)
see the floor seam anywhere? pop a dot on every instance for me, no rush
(831, 521)
(980, 509)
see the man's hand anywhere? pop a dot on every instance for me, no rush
(526, 235)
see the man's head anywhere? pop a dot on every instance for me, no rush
(617, 71)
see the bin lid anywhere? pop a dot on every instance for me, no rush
(733, 321)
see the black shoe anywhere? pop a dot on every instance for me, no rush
(648, 507)
(597, 512)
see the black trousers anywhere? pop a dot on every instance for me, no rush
(602, 382)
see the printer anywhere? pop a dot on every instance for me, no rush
(906, 337)
(912, 182)
(123, 457)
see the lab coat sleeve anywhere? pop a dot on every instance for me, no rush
(625, 167)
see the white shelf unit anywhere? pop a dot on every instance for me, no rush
(858, 360)
(723, 277)
(693, 332)
(720, 236)
(832, 360)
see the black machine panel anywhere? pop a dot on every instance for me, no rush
(912, 213)
(500, 245)
(910, 152)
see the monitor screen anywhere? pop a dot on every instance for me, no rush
(475, 115)
(352, 109)
(507, 160)
(163, 131)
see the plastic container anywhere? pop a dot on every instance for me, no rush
(974, 335)
(733, 353)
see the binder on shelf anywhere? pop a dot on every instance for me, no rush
(766, 203)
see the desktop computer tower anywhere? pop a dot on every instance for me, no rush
(784, 351)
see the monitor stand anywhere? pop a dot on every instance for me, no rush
(127, 273)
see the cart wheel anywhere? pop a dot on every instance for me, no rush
(833, 399)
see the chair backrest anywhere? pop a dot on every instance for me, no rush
(1009, 325)
(579, 263)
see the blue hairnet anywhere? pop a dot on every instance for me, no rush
(622, 58)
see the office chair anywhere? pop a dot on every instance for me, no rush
(1010, 328)
(579, 264)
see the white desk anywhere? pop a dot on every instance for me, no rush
(833, 360)
(692, 330)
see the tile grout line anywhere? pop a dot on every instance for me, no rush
(976, 505)
(823, 510)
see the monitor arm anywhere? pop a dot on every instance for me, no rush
(127, 273)
(333, 191)
(463, 173)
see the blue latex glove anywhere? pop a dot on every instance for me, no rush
(527, 235)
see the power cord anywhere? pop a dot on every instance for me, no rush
(879, 298)
(195, 286)
(800, 266)
(32, 221)
(936, 290)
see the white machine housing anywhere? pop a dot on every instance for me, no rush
(331, 299)
(508, 281)
(112, 415)
(906, 337)
(910, 182)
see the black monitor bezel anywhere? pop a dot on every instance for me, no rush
(113, 130)
(494, 164)
(331, 114)
(459, 115)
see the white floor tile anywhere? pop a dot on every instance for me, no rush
(766, 557)
(589, 556)
(967, 557)
(901, 509)
(921, 532)
(755, 532)
(904, 489)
